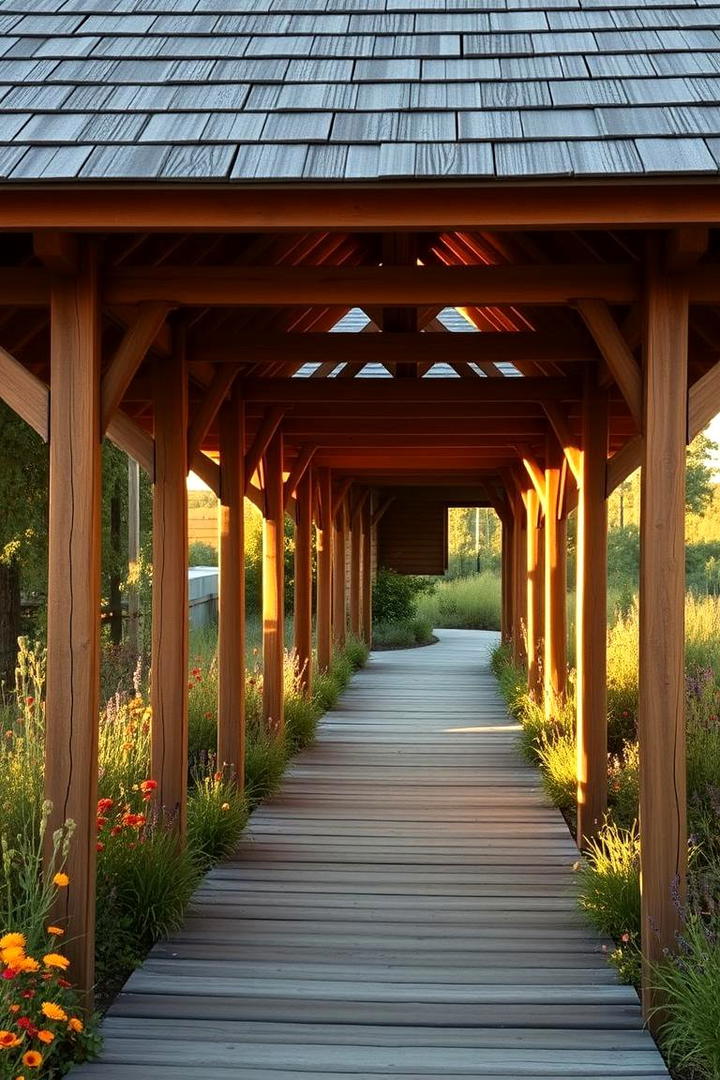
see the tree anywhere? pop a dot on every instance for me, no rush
(699, 478)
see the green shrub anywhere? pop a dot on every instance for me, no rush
(201, 554)
(216, 815)
(468, 603)
(356, 651)
(395, 596)
(402, 635)
(690, 987)
(610, 882)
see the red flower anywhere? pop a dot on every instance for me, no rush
(9, 973)
(148, 786)
(99, 846)
(29, 700)
(104, 805)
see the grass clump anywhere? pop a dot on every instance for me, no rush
(405, 634)
(465, 603)
(610, 893)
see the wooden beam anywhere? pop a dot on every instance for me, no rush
(273, 585)
(425, 348)
(617, 353)
(358, 207)
(519, 640)
(170, 588)
(623, 463)
(356, 549)
(324, 570)
(261, 442)
(536, 474)
(591, 618)
(73, 624)
(207, 410)
(366, 603)
(58, 251)
(25, 286)
(381, 510)
(703, 401)
(24, 393)
(685, 247)
(298, 471)
(340, 576)
(340, 495)
(130, 353)
(555, 633)
(566, 439)
(429, 393)
(208, 471)
(661, 718)
(231, 607)
(348, 286)
(303, 579)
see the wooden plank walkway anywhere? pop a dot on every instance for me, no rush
(402, 908)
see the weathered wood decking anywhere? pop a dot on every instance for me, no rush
(402, 908)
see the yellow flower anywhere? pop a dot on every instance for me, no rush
(8, 1041)
(56, 931)
(12, 955)
(55, 960)
(27, 963)
(32, 1059)
(61, 880)
(53, 1011)
(75, 1025)
(9, 941)
(45, 1036)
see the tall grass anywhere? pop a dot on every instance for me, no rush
(469, 603)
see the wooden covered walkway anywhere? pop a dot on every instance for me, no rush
(402, 908)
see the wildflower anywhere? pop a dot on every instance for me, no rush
(104, 805)
(27, 1025)
(45, 1036)
(8, 1041)
(75, 1025)
(28, 994)
(61, 880)
(9, 941)
(8, 734)
(225, 806)
(32, 1059)
(8, 973)
(101, 823)
(625, 938)
(29, 700)
(99, 846)
(14, 1008)
(56, 931)
(55, 960)
(64, 983)
(116, 830)
(12, 955)
(217, 777)
(148, 786)
(53, 1011)
(27, 964)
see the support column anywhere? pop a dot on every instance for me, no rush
(340, 577)
(356, 546)
(303, 579)
(534, 593)
(555, 635)
(591, 616)
(507, 565)
(133, 621)
(661, 717)
(324, 571)
(73, 632)
(367, 574)
(231, 612)
(519, 583)
(170, 587)
(273, 587)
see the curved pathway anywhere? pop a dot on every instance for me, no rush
(403, 907)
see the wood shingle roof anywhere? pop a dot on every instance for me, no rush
(358, 90)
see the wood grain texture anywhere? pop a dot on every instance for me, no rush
(591, 617)
(24, 393)
(73, 631)
(303, 623)
(534, 585)
(555, 584)
(323, 540)
(273, 587)
(170, 586)
(231, 607)
(661, 715)
(340, 608)
(367, 569)
(402, 907)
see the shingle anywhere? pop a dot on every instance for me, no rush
(35, 97)
(512, 95)
(675, 155)
(198, 162)
(10, 156)
(489, 125)
(312, 70)
(117, 24)
(322, 96)
(53, 127)
(393, 126)
(560, 124)
(297, 127)
(51, 162)
(138, 98)
(125, 162)
(113, 128)
(234, 127)
(325, 162)
(450, 159)
(265, 162)
(574, 92)
(11, 124)
(532, 159)
(506, 22)
(386, 70)
(465, 68)
(362, 162)
(607, 156)
(170, 127)
(210, 96)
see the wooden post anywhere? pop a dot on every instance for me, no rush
(519, 583)
(591, 616)
(356, 548)
(534, 593)
(340, 577)
(73, 631)
(662, 629)
(324, 570)
(170, 586)
(555, 635)
(133, 621)
(367, 574)
(231, 613)
(303, 579)
(273, 587)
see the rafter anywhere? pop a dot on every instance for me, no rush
(300, 467)
(130, 353)
(568, 441)
(269, 426)
(617, 353)
(207, 410)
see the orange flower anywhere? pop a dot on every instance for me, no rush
(148, 785)
(45, 1036)
(8, 1041)
(53, 1011)
(10, 941)
(32, 1059)
(12, 955)
(61, 880)
(57, 931)
(55, 960)
(14, 1008)
(75, 1025)
(27, 964)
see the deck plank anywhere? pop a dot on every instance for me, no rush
(403, 907)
